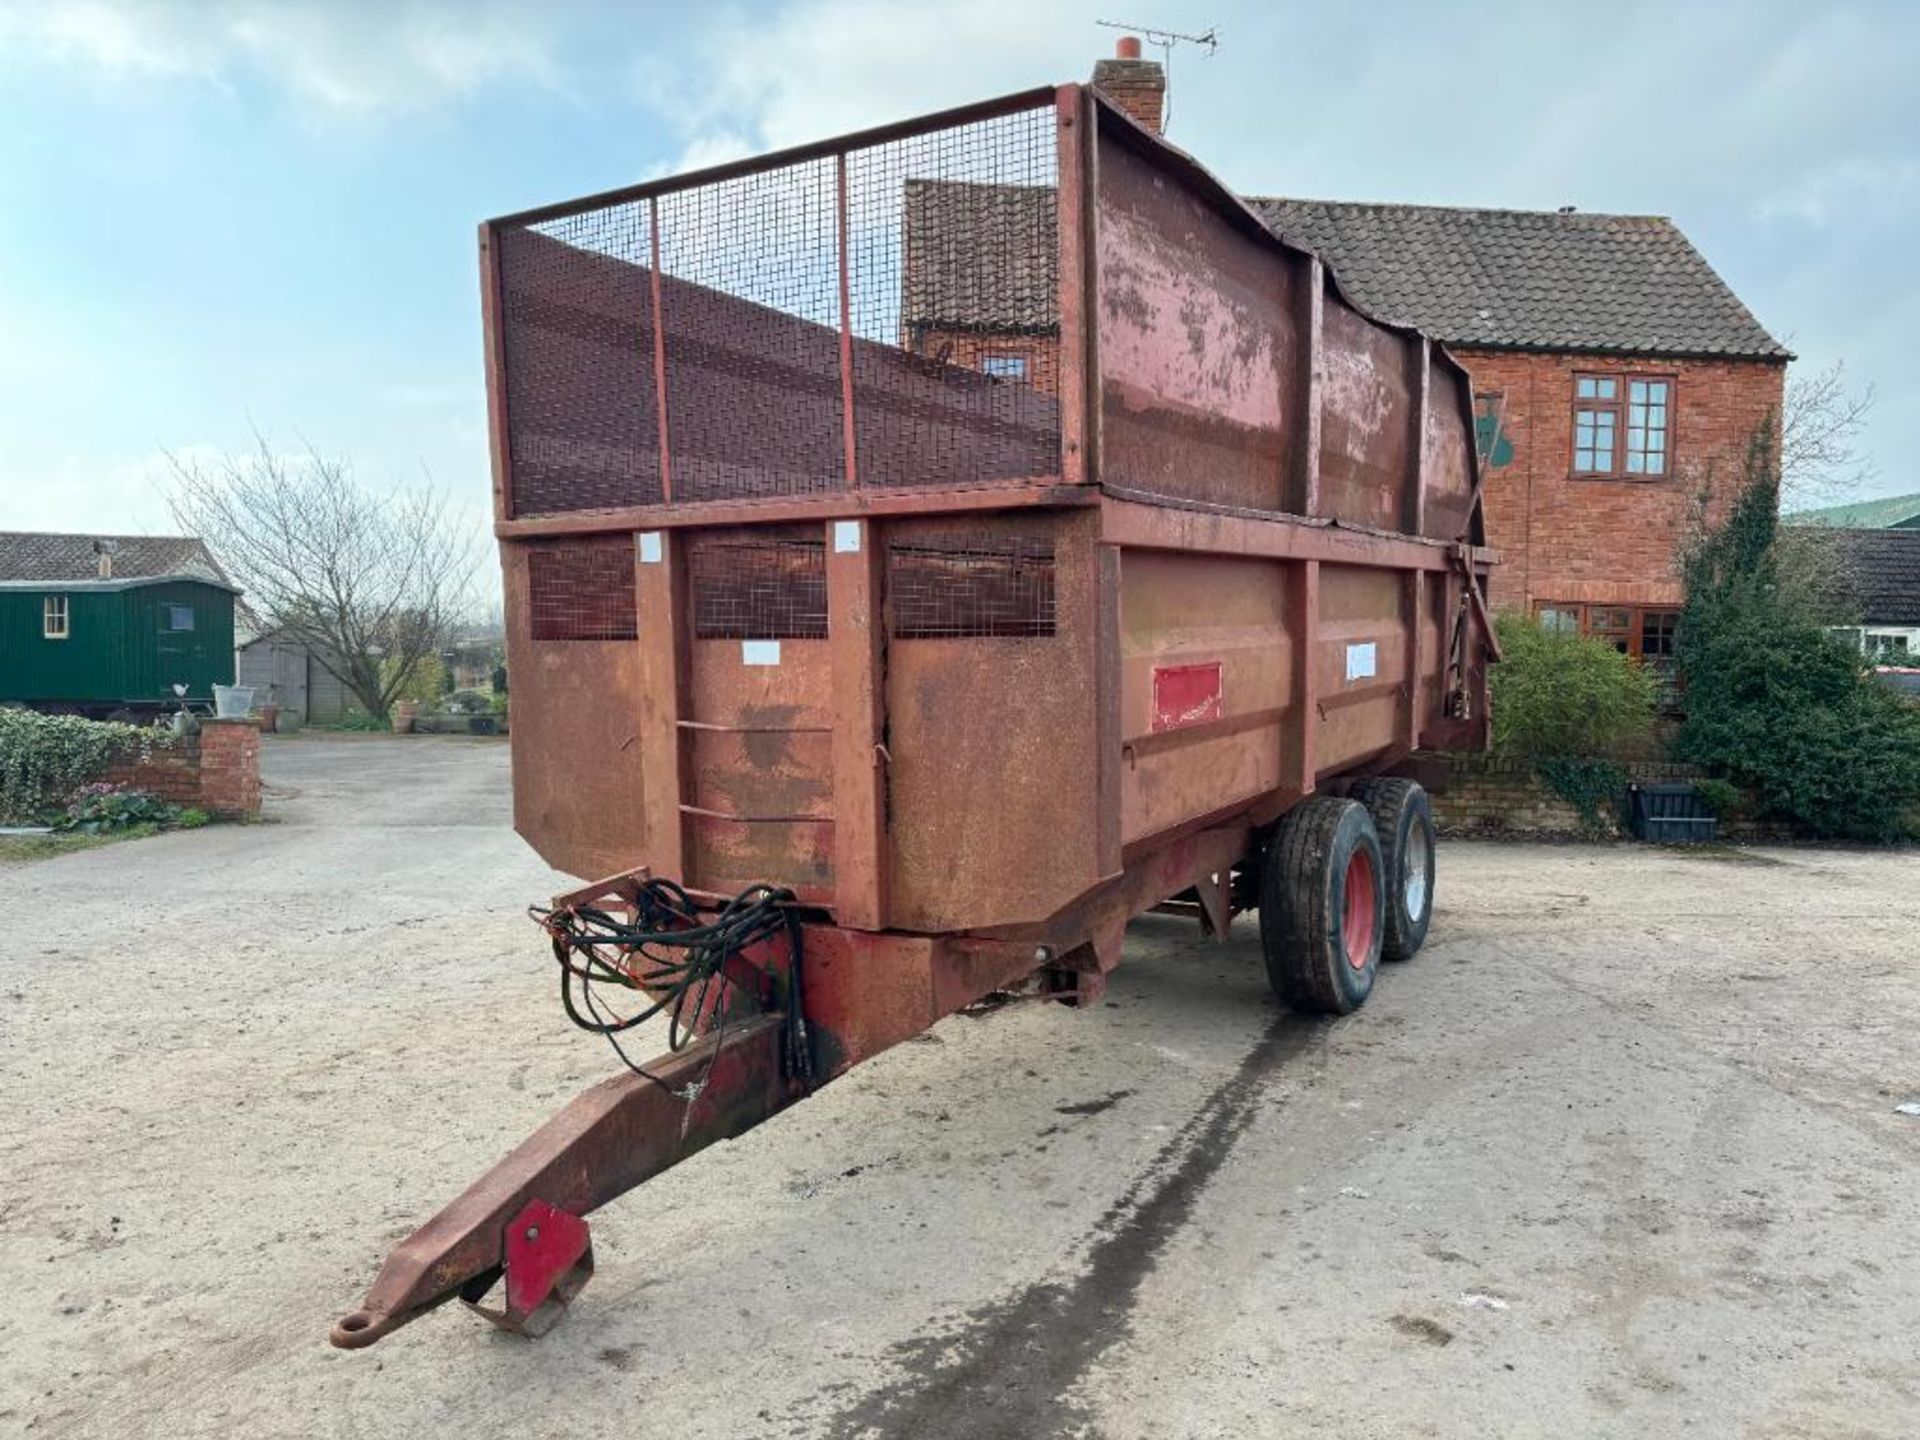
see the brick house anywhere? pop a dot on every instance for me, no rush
(1625, 378)
(1619, 380)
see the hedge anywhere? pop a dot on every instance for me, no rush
(44, 759)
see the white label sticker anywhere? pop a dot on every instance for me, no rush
(1362, 661)
(650, 547)
(759, 652)
(846, 537)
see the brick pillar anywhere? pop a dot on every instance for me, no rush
(230, 768)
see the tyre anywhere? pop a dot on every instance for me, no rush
(1403, 819)
(1321, 906)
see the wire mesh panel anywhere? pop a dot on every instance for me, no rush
(953, 269)
(919, 274)
(581, 589)
(970, 585)
(577, 348)
(762, 584)
(750, 303)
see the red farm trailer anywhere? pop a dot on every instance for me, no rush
(924, 551)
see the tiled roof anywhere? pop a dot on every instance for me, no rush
(1900, 510)
(984, 257)
(1879, 570)
(28, 555)
(1527, 279)
(980, 257)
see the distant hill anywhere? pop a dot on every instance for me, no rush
(1898, 512)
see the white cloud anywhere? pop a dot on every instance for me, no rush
(822, 67)
(123, 494)
(1847, 189)
(343, 59)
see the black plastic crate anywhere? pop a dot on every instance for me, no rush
(1670, 814)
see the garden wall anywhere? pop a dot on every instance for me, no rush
(217, 770)
(1498, 795)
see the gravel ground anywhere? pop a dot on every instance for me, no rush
(1615, 1156)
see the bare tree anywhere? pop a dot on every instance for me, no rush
(370, 584)
(1820, 427)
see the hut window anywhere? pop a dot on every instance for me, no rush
(1005, 367)
(53, 618)
(179, 617)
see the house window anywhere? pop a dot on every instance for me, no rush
(1613, 624)
(1004, 367)
(1657, 629)
(1641, 631)
(1888, 644)
(1647, 412)
(53, 618)
(1622, 426)
(179, 617)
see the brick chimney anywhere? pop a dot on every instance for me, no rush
(1137, 86)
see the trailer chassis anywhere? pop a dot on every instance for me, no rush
(523, 1221)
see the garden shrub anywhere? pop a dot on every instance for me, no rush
(44, 759)
(102, 807)
(425, 683)
(1556, 694)
(1724, 798)
(1773, 701)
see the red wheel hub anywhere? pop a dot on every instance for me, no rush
(1356, 925)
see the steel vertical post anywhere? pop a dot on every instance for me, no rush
(493, 335)
(1307, 458)
(856, 632)
(1074, 133)
(847, 430)
(659, 597)
(1306, 655)
(659, 349)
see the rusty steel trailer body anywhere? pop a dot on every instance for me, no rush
(983, 527)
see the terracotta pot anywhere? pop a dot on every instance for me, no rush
(269, 718)
(405, 712)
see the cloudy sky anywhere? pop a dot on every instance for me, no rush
(221, 215)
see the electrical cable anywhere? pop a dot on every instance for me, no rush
(672, 953)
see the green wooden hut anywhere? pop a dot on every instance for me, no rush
(106, 624)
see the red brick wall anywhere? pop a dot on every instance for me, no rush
(1610, 541)
(172, 773)
(217, 770)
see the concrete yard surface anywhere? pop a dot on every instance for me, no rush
(1616, 1155)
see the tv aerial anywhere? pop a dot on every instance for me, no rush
(1208, 40)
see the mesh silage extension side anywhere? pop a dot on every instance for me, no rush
(918, 274)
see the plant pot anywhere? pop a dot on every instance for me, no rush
(232, 702)
(405, 713)
(269, 718)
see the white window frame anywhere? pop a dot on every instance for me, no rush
(56, 618)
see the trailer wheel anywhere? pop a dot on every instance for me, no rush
(1403, 819)
(1321, 906)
